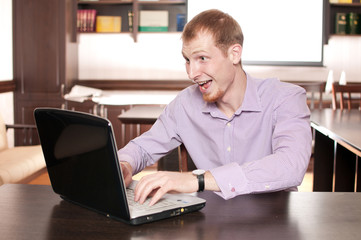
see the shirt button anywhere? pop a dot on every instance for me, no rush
(229, 149)
(228, 124)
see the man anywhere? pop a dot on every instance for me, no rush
(250, 135)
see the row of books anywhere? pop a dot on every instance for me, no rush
(149, 21)
(157, 21)
(348, 23)
(88, 21)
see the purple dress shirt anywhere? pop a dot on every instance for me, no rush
(264, 146)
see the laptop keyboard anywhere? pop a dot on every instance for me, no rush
(161, 203)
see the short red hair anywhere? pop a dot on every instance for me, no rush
(224, 29)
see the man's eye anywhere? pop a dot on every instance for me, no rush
(203, 58)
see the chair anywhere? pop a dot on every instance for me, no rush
(21, 163)
(349, 93)
(313, 88)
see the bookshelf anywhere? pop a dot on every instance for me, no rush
(124, 8)
(335, 8)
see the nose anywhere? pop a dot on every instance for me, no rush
(193, 71)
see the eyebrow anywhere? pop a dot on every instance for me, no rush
(197, 52)
(194, 53)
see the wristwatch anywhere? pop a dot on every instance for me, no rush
(199, 173)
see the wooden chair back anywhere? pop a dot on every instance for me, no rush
(313, 87)
(349, 96)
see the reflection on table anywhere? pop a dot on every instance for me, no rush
(35, 212)
(337, 149)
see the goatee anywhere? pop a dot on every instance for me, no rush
(211, 98)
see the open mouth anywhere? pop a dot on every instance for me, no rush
(204, 84)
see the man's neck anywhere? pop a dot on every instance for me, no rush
(234, 98)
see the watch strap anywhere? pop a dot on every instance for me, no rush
(200, 182)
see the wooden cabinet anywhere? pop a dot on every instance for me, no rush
(124, 7)
(335, 8)
(45, 55)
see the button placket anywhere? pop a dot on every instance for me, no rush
(228, 133)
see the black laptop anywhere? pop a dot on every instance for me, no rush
(82, 162)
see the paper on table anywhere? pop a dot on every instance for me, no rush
(81, 93)
(330, 80)
(343, 78)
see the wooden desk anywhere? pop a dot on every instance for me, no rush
(141, 115)
(337, 148)
(148, 115)
(35, 212)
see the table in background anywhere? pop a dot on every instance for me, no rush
(337, 149)
(132, 98)
(35, 212)
(148, 115)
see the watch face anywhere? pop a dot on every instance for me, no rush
(198, 172)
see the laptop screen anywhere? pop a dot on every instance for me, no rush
(80, 153)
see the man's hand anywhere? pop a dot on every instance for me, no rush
(160, 183)
(127, 172)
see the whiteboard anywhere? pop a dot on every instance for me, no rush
(277, 32)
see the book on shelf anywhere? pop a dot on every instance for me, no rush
(353, 25)
(86, 20)
(130, 20)
(181, 21)
(344, 1)
(153, 21)
(347, 23)
(108, 24)
(340, 24)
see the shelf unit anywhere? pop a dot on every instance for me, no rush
(344, 8)
(122, 8)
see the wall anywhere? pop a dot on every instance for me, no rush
(344, 54)
(158, 56)
(117, 56)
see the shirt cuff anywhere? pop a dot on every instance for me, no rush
(129, 159)
(230, 179)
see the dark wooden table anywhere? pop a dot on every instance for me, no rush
(148, 115)
(337, 150)
(141, 115)
(35, 212)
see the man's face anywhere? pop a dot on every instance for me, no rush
(207, 66)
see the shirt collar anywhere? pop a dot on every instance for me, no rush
(251, 101)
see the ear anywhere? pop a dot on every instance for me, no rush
(235, 53)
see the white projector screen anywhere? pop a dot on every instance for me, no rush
(277, 32)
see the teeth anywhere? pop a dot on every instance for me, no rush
(202, 83)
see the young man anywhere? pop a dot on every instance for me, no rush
(249, 135)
